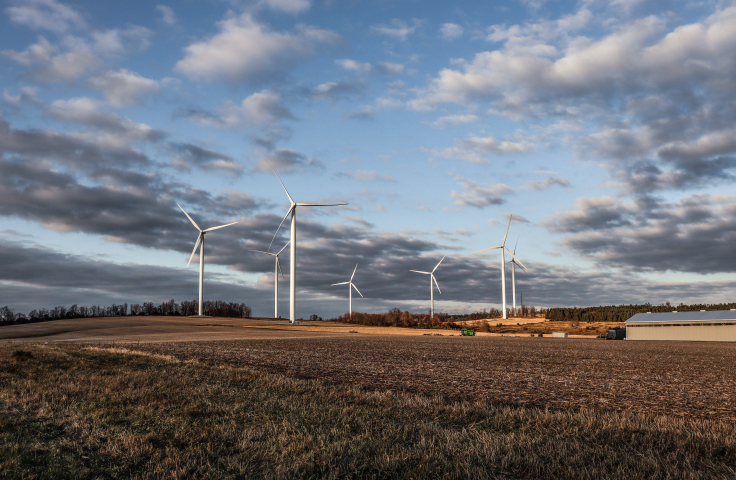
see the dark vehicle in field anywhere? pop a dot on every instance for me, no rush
(616, 334)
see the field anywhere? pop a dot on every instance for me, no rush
(260, 399)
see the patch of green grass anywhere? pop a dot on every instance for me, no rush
(71, 412)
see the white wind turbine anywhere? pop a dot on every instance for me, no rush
(431, 287)
(200, 240)
(513, 263)
(503, 264)
(292, 262)
(350, 289)
(277, 269)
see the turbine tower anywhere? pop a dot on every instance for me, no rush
(503, 264)
(513, 263)
(350, 289)
(431, 287)
(200, 240)
(277, 269)
(292, 263)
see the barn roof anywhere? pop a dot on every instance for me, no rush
(674, 317)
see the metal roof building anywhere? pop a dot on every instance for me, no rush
(703, 326)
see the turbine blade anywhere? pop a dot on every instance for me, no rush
(351, 276)
(282, 183)
(438, 285)
(277, 230)
(278, 264)
(319, 204)
(516, 244)
(221, 226)
(267, 253)
(199, 239)
(518, 262)
(190, 218)
(486, 249)
(341, 283)
(438, 264)
(356, 289)
(426, 273)
(507, 229)
(287, 244)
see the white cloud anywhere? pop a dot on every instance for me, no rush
(27, 96)
(544, 184)
(388, 68)
(123, 87)
(396, 28)
(167, 14)
(40, 51)
(287, 161)
(479, 195)
(70, 65)
(46, 15)
(451, 31)
(288, 6)
(368, 176)
(246, 49)
(474, 149)
(260, 107)
(455, 120)
(353, 65)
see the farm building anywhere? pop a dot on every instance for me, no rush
(703, 326)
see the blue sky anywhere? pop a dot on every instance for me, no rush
(605, 127)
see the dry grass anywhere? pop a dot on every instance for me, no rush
(71, 412)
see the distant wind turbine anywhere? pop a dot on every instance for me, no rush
(277, 269)
(431, 287)
(503, 264)
(292, 263)
(200, 240)
(350, 289)
(513, 275)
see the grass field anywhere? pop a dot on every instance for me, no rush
(346, 405)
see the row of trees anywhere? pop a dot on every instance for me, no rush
(216, 308)
(621, 313)
(394, 318)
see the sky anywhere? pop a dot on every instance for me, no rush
(606, 128)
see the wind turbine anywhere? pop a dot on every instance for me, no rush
(292, 263)
(200, 240)
(431, 287)
(277, 269)
(513, 275)
(503, 264)
(350, 289)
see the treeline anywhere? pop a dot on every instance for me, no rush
(216, 308)
(525, 311)
(621, 313)
(394, 318)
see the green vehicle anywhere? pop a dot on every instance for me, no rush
(468, 332)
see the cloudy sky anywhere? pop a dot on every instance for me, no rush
(608, 129)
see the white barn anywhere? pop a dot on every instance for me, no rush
(703, 326)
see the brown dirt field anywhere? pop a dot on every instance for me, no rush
(674, 379)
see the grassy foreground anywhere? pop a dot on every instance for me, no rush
(74, 412)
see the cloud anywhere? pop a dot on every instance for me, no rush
(478, 195)
(455, 120)
(388, 68)
(396, 28)
(261, 107)
(188, 155)
(167, 14)
(474, 149)
(545, 184)
(69, 66)
(46, 15)
(124, 88)
(288, 6)
(247, 50)
(27, 96)
(354, 65)
(332, 90)
(41, 51)
(367, 176)
(451, 31)
(287, 161)
(365, 113)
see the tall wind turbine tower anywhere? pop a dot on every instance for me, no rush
(350, 289)
(431, 287)
(200, 241)
(277, 269)
(503, 264)
(292, 263)
(513, 275)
